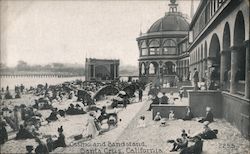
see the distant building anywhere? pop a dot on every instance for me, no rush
(163, 49)
(101, 69)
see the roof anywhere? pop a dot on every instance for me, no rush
(172, 21)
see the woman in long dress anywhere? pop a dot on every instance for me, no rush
(91, 127)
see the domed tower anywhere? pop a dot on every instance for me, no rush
(163, 47)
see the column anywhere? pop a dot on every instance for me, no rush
(202, 70)
(247, 75)
(140, 69)
(209, 65)
(94, 70)
(234, 66)
(222, 67)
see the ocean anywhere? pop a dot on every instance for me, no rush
(34, 81)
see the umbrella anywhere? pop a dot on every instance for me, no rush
(159, 95)
(122, 92)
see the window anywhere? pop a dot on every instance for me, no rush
(144, 50)
(154, 47)
(169, 47)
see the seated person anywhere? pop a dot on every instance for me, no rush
(112, 120)
(157, 117)
(164, 99)
(171, 115)
(141, 122)
(41, 148)
(70, 109)
(53, 115)
(50, 143)
(194, 149)
(60, 142)
(180, 143)
(189, 115)
(209, 116)
(23, 134)
(104, 114)
(207, 133)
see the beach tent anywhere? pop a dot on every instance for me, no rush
(83, 95)
(130, 89)
(105, 90)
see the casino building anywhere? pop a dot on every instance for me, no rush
(216, 40)
(163, 52)
(220, 40)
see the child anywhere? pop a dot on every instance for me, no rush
(171, 115)
(157, 117)
(141, 122)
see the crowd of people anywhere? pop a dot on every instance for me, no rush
(26, 120)
(181, 144)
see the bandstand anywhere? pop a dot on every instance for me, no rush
(163, 58)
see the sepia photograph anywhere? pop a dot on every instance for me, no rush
(124, 77)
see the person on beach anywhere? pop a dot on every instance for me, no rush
(157, 116)
(209, 116)
(171, 115)
(207, 132)
(60, 142)
(189, 115)
(164, 99)
(91, 127)
(3, 133)
(181, 91)
(180, 143)
(141, 122)
(196, 79)
(140, 94)
(23, 133)
(41, 148)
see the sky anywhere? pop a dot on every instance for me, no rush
(68, 31)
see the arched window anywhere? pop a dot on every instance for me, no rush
(154, 47)
(169, 47)
(144, 50)
(153, 66)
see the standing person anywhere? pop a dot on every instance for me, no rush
(225, 79)
(188, 76)
(41, 148)
(3, 133)
(181, 91)
(91, 127)
(196, 79)
(140, 94)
